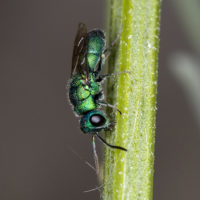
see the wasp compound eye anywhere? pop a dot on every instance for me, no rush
(97, 120)
(93, 122)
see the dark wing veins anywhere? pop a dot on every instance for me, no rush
(79, 58)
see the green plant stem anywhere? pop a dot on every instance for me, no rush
(129, 175)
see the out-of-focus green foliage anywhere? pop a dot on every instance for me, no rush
(184, 67)
(187, 71)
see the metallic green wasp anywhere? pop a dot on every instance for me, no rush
(85, 92)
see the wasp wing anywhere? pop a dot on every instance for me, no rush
(79, 61)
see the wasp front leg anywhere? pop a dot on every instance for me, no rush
(109, 105)
(104, 76)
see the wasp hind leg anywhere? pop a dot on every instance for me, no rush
(107, 50)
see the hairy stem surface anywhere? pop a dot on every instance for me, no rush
(129, 175)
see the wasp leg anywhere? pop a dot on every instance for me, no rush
(98, 97)
(109, 105)
(106, 52)
(114, 41)
(104, 76)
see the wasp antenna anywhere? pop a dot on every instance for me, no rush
(109, 145)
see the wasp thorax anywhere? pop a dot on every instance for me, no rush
(97, 120)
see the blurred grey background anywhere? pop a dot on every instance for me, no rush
(39, 131)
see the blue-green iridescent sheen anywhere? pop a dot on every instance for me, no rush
(96, 46)
(85, 88)
(82, 95)
(88, 127)
(84, 91)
